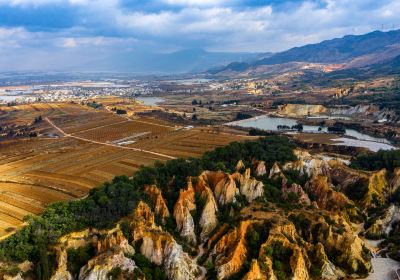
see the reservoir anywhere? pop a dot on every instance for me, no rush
(355, 138)
(150, 101)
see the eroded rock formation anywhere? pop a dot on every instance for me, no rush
(183, 218)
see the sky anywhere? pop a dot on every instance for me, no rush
(56, 34)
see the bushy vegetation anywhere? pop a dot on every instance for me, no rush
(79, 257)
(337, 128)
(260, 132)
(107, 204)
(382, 159)
(242, 116)
(94, 105)
(147, 269)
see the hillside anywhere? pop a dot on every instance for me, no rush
(337, 50)
(253, 210)
(351, 50)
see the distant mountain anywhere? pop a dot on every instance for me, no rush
(388, 67)
(337, 50)
(354, 50)
(188, 60)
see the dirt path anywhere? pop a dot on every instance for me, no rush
(202, 268)
(63, 133)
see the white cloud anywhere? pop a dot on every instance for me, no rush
(107, 25)
(69, 43)
(195, 2)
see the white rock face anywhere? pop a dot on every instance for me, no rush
(261, 169)
(178, 265)
(311, 165)
(384, 224)
(98, 267)
(208, 220)
(275, 171)
(183, 218)
(61, 272)
(187, 229)
(330, 272)
(152, 250)
(250, 187)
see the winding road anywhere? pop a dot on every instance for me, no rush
(64, 134)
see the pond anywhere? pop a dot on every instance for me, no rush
(9, 98)
(150, 101)
(361, 139)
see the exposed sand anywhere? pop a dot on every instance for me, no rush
(383, 269)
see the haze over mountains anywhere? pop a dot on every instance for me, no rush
(353, 51)
(183, 61)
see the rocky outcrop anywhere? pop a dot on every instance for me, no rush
(378, 189)
(298, 190)
(255, 272)
(369, 189)
(260, 168)
(160, 207)
(345, 178)
(99, 267)
(222, 184)
(230, 252)
(328, 270)
(285, 236)
(208, 220)
(383, 225)
(183, 218)
(178, 264)
(114, 239)
(240, 166)
(23, 268)
(311, 165)
(160, 248)
(275, 172)
(326, 197)
(395, 181)
(301, 110)
(249, 187)
(61, 273)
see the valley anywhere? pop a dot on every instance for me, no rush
(275, 166)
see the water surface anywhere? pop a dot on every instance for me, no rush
(266, 122)
(150, 101)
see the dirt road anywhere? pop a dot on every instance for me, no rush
(63, 133)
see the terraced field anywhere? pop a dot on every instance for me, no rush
(125, 129)
(39, 171)
(188, 143)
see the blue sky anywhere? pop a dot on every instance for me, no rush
(51, 34)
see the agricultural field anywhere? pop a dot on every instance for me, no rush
(83, 152)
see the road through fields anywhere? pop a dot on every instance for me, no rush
(63, 133)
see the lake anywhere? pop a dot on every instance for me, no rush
(9, 98)
(150, 101)
(361, 139)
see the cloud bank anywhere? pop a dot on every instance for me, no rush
(58, 34)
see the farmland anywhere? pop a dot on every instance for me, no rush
(77, 149)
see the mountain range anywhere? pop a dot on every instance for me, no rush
(351, 51)
(183, 61)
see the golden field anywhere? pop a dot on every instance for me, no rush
(38, 171)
